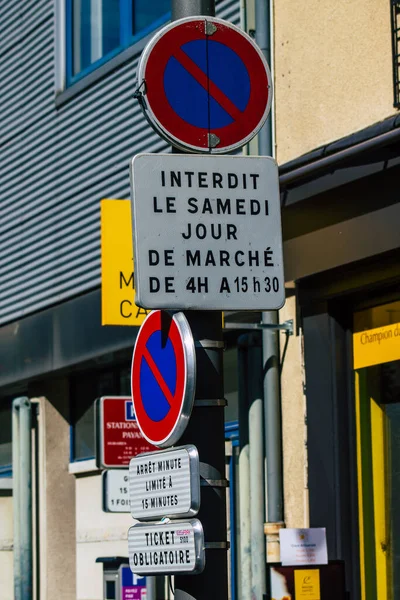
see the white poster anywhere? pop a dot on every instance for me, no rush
(303, 546)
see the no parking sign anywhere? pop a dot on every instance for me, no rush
(163, 377)
(206, 85)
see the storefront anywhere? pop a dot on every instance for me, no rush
(376, 347)
(341, 223)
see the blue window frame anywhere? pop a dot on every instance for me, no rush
(98, 30)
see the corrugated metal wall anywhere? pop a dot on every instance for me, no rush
(57, 164)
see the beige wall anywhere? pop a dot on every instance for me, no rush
(293, 425)
(6, 545)
(333, 70)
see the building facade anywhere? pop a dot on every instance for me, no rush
(69, 126)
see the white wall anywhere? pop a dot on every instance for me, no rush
(97, 534)
(6, 545)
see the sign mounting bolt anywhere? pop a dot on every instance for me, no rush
(213, 140)
(211, 28)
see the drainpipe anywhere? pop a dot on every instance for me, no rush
(22, 497)
(263, 12)
(251, 468)
(244, 472)
(272, 400)
(256, 455)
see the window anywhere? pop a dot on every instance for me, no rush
(97, 30)
(5, 438)
(86, 387)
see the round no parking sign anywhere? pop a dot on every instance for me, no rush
(163, 377)
(207, 85)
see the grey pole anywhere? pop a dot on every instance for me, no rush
(206, 431)
(151, 588)
(16, 501)
(257, 501)
(250, 402)
(263, 40)
(26, 497)
(206, 427)
(244, 469)
(272, 395)
(273, 436)
(22, 501)
(191, 8)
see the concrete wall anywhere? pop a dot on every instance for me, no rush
(56, 494)
(6, 546)
(333, 70)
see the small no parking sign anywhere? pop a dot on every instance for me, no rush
(163, 377)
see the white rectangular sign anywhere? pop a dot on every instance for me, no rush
(115, 490)
(165, 484)
(207, 232)
(175, 547)
(303, 546)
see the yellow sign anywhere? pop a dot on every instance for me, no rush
(306, 584)
(376, 346)
(117, 282)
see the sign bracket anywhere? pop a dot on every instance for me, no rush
(214, 482)
(287, 326)
(217, 545)
(210, 344)
(211, 402)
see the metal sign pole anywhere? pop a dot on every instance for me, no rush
(206, 431)
(206, 426)
(227, 89)
(190, 8)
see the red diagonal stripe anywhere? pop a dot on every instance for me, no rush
(201, 78)
(158, 376)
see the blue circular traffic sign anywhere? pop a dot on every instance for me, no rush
(207, 85)
(163, 377)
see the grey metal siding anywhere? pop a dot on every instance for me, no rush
(57, 164)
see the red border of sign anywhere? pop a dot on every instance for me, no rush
(161, 432)
(152, 67)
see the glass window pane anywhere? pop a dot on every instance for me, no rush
(84, 432)
(87, 388)
(95, 31)
(5, 435)
(111, 27)
(125, 381)
(378, 316)
(110, 590)
(393, 475)
(144, 13)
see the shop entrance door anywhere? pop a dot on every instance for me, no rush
(376, 344)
